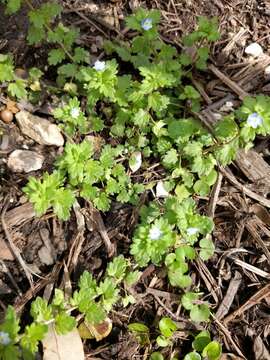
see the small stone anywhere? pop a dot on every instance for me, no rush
(267, 70)
(25, 161)
(39, 129)
(254, 50)
(45, 256)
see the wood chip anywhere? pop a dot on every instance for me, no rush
(229, 297)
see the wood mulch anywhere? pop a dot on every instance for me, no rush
(236, 281)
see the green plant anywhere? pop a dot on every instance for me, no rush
(93, 300)
(204, 348)
(199, 310)
(147, 115)
(167, 328)
(85, 175)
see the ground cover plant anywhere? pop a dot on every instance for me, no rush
(140, 99)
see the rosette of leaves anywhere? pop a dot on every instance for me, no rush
(152, 241)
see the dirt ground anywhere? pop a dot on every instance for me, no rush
(236, 280)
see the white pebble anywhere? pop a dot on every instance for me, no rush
(254, 50)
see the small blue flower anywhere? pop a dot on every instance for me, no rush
(4, 338)
(192, 231)
(75, 112)
(99, 65)
(155, 233)
(254, 120)
(147, 24)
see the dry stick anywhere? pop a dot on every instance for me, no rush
(227, 333)
(11, 278)
(229, 297)
(253, 300)
(214, 196)
(15, 250)
(20, 303)
(251, 226)
(244, 189)
(250, 268)
(100, 227)
(231, 84)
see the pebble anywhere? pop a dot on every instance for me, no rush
(25, 161)
(254, 50)
(39, 129)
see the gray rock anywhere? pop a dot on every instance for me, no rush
(39, 129)
(25, 161)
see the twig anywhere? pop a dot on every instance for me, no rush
(15, 250)
(11, 278)
(231, 84)
(214, 196)
(253, 300)
(244, 189)
(229, 297)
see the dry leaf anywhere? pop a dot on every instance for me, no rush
(98, 332)
(62, 347)
(135, 161)
(11, 106)
(161, 192)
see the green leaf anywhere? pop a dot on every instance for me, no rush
(17, 89)
(212, 351)
(102, 202)
(10, 352)
(95, 314)
(117, 268)
(56, 56)
(64, 323)
(183, 128)
(138, 328)
(192, 356)
(162, 341)
(226, 129)
(32, 335)
(201, 340)
(12, 6)
(132, 277)
(10, 324)
(156, 356)
(199, 313)
(109, 292)
(40, 310)
(64, 199)
(201, 188)
(141, 332)
(6, 68)
(170, 158)
(188, 300)
(167, 327)
(207, 248)
(181, 192)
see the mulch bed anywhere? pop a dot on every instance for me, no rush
(236, 281)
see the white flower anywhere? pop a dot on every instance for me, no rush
(75, 112)
(192, 231)
(4, 338)
(155, 233)
(99, 65)
(254, 120)
(147, 24)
